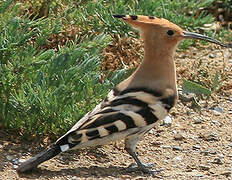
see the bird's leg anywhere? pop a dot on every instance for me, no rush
(130, 147)
(140, 166)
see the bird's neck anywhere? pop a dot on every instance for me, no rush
(157, 71)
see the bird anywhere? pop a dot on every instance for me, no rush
(135, 105)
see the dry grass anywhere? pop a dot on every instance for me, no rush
(123, 52)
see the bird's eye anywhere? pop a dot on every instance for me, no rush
(170, 32)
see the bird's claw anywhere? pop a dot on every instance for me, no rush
(145, 168)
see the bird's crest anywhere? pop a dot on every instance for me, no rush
(142, 22)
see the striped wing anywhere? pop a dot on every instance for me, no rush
(118, 113)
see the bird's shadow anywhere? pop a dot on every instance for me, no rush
(81, 172)
(92, 171)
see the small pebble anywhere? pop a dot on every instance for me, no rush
(178, 137)
(21, 160)
(9, 157)
(178, 148)
(166, 161)
(229, 99)
(212, 56)
(167, 121)
(230, 145)
(213, 151)
(230, 60)
(165, 146)
(197, 120)
(221, 156)
(137, 178)
(226, 173)
(216, 122)
(210, 137)
(152, 131)
(15, 166)
(217, 113)
(217, 161)
(15, 161)
(205, 152)
(199, 175)
(189, 113)
(177, 158)
(174, 132)
(204, 167)
(74, 178)
(196, 147)
(221, 110)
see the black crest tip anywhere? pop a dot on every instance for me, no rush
(119, 16)
(134, 17)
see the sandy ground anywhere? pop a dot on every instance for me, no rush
(197, 145)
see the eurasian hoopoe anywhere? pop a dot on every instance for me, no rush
(134, 106)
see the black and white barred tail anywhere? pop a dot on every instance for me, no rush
(39, 158)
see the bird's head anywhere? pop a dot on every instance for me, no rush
(164, 31)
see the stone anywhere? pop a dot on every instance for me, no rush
(165, 146)
(217, 161)
(178, 137)
(15, 166)
(212, 56)
(209, 137)
(221, 156)
(199, 175)
(205, 152)
(197, 120)
(177, 159)
(216, 122)
(226, 173)
(217, 113)
(167, 121)
(196, 147)
(9, 157)
(21, 161)
(166, 161)
(178, 148)
(218, 109)
(15, 161)
(204, 167)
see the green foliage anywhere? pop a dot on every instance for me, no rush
(46, 86)
(191, 87)
(53, 90)
(215, 81)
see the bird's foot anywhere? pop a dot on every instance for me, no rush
(146, 165)
(145, 168)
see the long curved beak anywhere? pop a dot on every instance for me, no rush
(206, 38)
